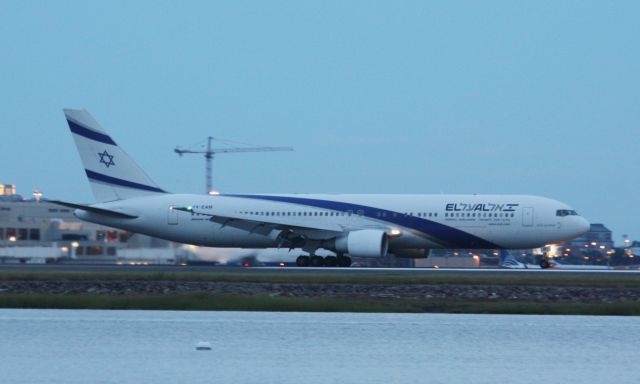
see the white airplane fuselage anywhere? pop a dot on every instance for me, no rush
(353, 225)
(412, 221)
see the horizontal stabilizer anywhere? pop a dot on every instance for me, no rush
(96, 210)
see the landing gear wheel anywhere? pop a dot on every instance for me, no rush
(544, 264)
(344, 261)
(317, 261)
(302, 261)
(330, 261)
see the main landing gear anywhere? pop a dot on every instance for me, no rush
(319, 261)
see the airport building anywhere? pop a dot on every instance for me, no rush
(34, 230)
(594, 247)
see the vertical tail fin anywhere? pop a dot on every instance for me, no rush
(113, 175)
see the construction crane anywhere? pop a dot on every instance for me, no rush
(210, 152)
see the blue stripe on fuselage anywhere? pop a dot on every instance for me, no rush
(123, 183)
(440, 233)
(89, 134)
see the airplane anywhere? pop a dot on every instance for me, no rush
(507, 260)
(554, 264)
(348, 225)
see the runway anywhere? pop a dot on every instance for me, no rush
(301, 271)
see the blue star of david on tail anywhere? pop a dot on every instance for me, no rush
(106, 158)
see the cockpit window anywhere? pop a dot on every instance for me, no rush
(566, 212)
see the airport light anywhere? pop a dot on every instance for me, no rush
(594, 243)
(37, 195)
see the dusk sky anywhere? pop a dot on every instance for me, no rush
(500, 97)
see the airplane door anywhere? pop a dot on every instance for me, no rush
(172, 216)
(527, 216)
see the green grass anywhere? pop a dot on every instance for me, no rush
(263, 302)
(198, 301)
(487, 278)
(225, 302)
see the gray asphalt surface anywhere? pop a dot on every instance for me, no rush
(292, 270)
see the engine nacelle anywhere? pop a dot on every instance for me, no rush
(364, 243)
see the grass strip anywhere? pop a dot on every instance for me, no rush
(479, 278)
(230, 302)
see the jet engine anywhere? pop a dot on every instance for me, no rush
(363, 243)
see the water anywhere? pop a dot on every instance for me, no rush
(80, 346)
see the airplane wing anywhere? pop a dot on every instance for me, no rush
(263, 225)
(96, 210)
